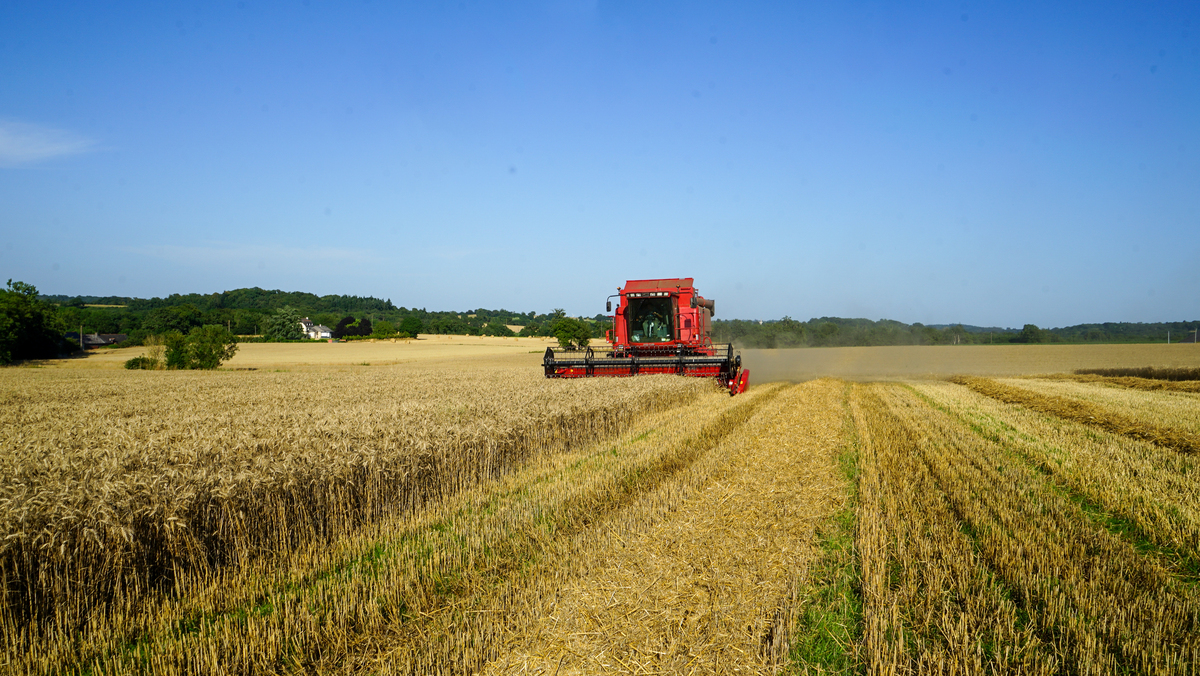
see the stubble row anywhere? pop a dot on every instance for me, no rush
(974, 562)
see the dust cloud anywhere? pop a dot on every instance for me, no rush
(909, 362)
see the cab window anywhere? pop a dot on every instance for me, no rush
(650, 320)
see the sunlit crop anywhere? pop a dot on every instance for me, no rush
(437, 518)
(122, 491)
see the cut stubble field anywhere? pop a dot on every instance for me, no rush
(440, 507)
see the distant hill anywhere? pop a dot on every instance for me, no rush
(239, 299)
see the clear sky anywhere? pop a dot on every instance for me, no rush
(986, 163)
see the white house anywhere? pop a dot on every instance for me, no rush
(315, 331)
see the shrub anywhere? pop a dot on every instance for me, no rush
(175, 346)
(205, 347)
(208, 346)
(145, 363)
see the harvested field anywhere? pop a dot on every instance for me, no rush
(423, 352)
(1148, 490)
(700, 574)
(446, 509)
(975, 560)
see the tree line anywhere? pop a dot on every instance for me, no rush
(252, 312)
(33, 326)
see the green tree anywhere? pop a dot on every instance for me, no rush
(827, 333)
(958, 334)
(284, 325)
(789, 333)
(29, 328)
(384, 329)
(412, 326)
(205, 347)
(496, 328)
(175, 349)
(1030, 334)
(571, 332)
(179, 318)
(208, 346)
(325, 319)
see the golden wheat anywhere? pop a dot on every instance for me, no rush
(422, 518)
(122, 488)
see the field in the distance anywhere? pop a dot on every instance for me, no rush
(424, 351)
(441, 508)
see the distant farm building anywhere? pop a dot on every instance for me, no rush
(315, 331)
(94, 340)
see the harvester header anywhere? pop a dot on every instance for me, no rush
(660, 326)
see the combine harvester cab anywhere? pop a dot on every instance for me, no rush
(660, 326)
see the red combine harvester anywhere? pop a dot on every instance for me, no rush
(661, 326)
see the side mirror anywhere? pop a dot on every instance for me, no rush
(608, 306)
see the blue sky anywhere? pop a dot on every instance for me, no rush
(985, 163)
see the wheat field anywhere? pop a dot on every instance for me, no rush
(440, 507)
